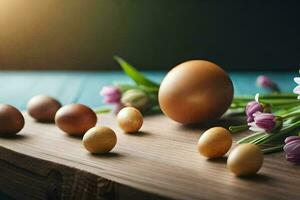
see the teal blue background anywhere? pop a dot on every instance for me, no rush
(17, 87)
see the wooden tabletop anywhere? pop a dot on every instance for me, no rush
(162, 161)
(43, 162)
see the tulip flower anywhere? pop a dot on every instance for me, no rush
(111, 94)
(266, 82)
(265, 122)
(251, 108)
(292, 149)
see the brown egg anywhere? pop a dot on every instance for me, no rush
(130, 119)
(43, 108)
(215, 142)
(245, 159)
(75, 119)
(99, 139)
(195, 91)
(11, 120)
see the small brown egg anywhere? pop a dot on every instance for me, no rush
(11, 120)
(99, 139)
(130, 119)
(245, 159)
(75, 119)
(215, 142)
(43, 108)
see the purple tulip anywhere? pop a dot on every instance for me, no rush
(297, 88)
(265, 122)
(251, 108)
(266, 82)
(292, 149)
(111, 94)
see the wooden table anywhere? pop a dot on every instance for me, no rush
(159, 162)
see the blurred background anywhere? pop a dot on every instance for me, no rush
(84, 35)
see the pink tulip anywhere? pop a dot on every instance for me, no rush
(111, 94)
(265, 82)
(292, 149)
(265, 122)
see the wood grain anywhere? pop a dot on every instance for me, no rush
(160, 162)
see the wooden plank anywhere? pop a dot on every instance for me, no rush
(162, 160)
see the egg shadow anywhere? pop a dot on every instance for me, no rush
(14, 137)
(222, 160)
(44, 122)
(107, 155)
(257, 178)
(222, 122)
(77, 137)
(139, 134)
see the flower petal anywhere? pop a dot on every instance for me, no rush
(297, 80)
(291, 138)
(109, 90)
(297, 89)
(293, 159)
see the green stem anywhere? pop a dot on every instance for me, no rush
(249, 138)
(236, 129)
(279, 101)
(273, 149)
(268, 96)
(258, 140)
(282, 133)
(292, 114)
(102, 110)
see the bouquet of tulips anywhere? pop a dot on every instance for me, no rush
(274, 118)
(141, 95)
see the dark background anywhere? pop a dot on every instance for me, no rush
(157, 34)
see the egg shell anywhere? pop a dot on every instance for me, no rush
(195, 91)
(215, 142)
(130, 119)
(75, 119)
(99, 139)
(245, 159)
(11, 120)
(43, 108)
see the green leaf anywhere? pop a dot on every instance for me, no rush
(134, 74)
(102, 110)
(124, 87)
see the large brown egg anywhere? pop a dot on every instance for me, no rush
(11, 120)
(195, 91)
(43, 108)
(75, 119)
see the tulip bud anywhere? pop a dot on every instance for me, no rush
(292, 149)
(265, 122)
(266, 82)
(253, 107)
(111, 94)
(136, 98)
